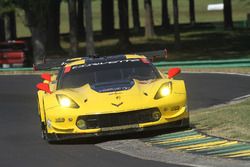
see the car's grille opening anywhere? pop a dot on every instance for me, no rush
(120, 119)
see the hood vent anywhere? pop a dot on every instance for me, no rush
(113, 86)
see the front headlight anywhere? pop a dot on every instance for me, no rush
(165, 90)
(67, 102)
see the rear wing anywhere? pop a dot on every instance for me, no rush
(153, 56)
(49, 65)
(54, 64)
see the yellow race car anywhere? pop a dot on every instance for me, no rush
(111, 95)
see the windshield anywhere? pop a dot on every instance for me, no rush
(107, 72)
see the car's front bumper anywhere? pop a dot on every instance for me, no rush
(184, 123)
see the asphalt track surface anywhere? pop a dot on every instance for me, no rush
(21, 145)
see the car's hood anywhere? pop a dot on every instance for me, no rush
(138, 96)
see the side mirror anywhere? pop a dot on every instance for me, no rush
(173, 72)
(43, 87)
(46, 77)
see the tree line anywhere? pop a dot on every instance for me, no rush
(43, 20)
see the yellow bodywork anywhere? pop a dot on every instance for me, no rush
(62, 120)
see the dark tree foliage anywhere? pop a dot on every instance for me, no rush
(228, 20)
(73, 27)
(192, 12)
(6, 6)
(80, 19)
(53, 31)
(124, 24)
(36, 13)
(107, 17)
(136, 15)
(149, 20)
(176, 25)
(164, 15)
(7, 20)
(2, 32)
(90, 49)
(10, 25)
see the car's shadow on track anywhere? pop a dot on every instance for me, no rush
(98, 139)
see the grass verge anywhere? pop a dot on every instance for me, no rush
(230, 121)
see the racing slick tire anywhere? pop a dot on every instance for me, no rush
(45, 135)
(43, 131)
(185, 124)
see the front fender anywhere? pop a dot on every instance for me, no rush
(178, 87)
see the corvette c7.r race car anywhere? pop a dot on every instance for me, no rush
(91, 97)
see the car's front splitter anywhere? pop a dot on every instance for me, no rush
(60, 137)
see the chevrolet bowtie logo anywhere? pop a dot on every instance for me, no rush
(117, 105)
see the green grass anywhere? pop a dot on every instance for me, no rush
(230, 121)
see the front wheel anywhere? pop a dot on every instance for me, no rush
(44, 131)
(45, 136)
(185, 124)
